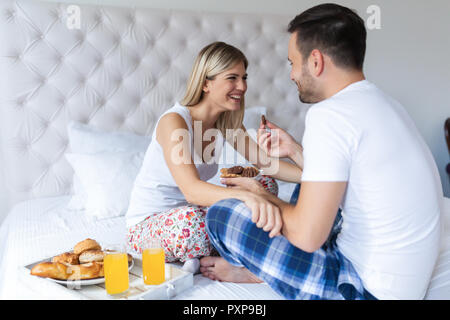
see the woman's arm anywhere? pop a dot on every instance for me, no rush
(173, 136)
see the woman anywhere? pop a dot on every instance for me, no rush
(170, 197)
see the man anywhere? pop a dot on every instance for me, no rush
(361, 153)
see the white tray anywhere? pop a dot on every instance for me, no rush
(177, 280)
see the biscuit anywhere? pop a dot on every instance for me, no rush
(87, 244)
(224, 174)
(238, 171)
(250, 172)
(91, 256)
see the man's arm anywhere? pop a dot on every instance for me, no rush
(308, 224)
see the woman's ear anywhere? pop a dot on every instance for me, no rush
(206, 86)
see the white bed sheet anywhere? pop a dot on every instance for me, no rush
(41, 228)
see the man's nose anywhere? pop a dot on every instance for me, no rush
(292, 75)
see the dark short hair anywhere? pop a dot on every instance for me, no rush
(335, 30)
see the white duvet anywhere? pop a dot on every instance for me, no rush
(38, 229)
(41, 228)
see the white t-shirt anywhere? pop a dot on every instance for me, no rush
(391, 207)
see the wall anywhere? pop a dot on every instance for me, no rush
(406, 57)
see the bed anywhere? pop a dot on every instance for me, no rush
(81, 88)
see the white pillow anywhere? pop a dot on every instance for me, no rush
(108, 179)
(85, 139)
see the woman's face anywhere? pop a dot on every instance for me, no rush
(227, 89)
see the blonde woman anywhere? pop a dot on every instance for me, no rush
(170, 197)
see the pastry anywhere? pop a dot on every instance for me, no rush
(86, 262)
(87, 244)
(238, 171)
(67, 257)
(54, 270)
(84, 271)
(91, 256)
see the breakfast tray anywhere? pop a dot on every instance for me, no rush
(177, 280)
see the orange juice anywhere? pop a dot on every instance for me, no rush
(116, 272)
(153, 266)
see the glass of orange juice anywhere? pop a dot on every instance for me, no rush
(115, 264)
(153, 263)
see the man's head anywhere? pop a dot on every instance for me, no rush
(327, 41)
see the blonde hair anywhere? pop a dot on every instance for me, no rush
(213, 59)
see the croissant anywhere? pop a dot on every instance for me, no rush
(89, 270)
(67, 258)
(54, 270)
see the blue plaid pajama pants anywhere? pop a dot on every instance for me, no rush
(291, 272)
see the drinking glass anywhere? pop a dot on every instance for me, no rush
(115, 266)
(153, 263)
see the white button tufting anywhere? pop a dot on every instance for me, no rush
(149, 54)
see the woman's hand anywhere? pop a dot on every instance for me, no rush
(249, 184)
(276, 143)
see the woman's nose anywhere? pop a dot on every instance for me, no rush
(242, 85)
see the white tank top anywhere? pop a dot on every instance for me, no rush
(154, 189)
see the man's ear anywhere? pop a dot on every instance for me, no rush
(316, 62)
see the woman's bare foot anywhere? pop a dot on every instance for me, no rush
(217, 268)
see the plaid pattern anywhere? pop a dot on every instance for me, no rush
(291, 272)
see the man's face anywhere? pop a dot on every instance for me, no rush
(306, 84)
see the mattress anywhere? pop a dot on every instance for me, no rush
(41, 228)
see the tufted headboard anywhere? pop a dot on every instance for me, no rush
(118, 71)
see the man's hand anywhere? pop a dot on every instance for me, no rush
(265, 214)
(277, 143)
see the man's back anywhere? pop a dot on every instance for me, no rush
(391, 207)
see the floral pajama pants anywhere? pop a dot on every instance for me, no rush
(180, 231)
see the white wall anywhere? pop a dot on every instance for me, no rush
(407, 57)
(4, 203)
